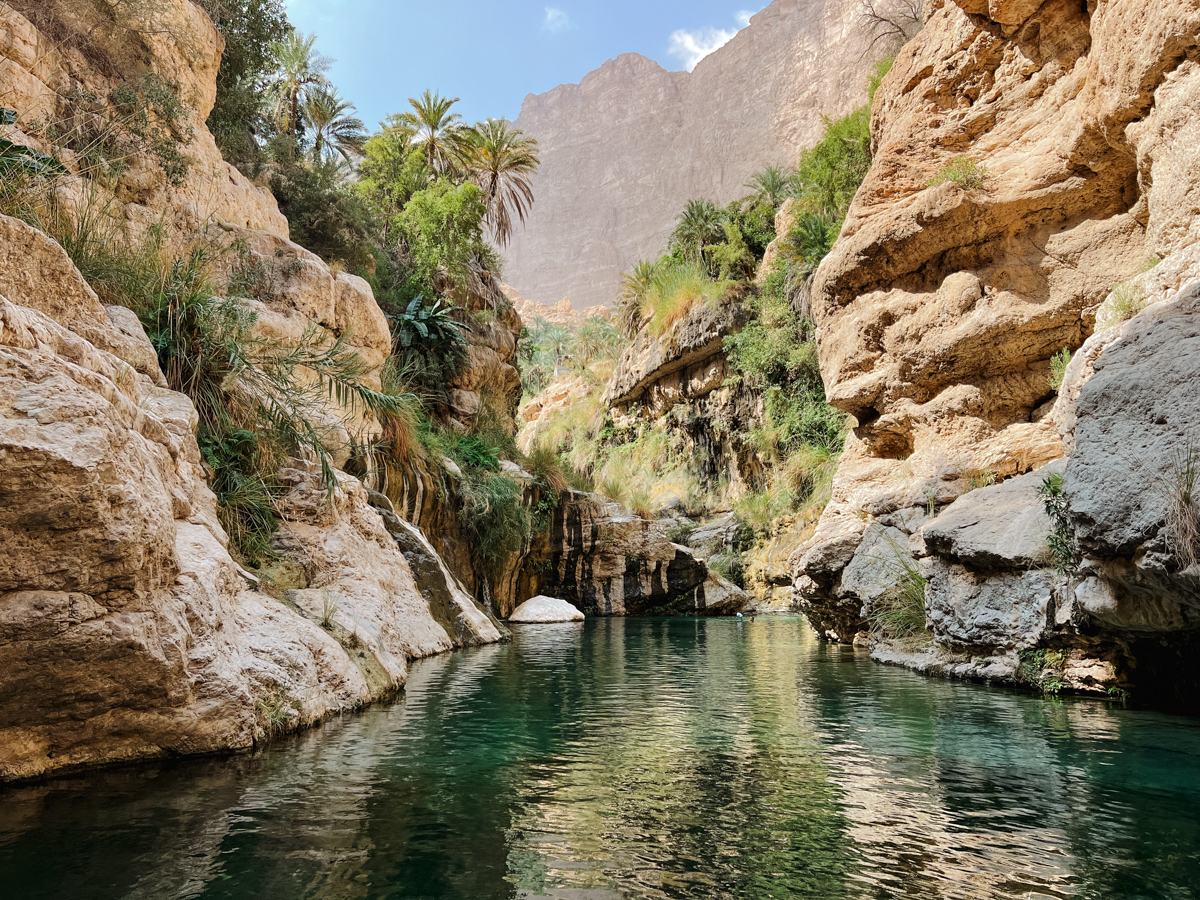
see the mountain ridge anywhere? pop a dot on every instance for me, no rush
(625, 148)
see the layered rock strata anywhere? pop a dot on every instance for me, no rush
(941, 306)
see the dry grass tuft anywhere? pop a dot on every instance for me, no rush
(1183, 516)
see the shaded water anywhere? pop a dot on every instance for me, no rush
(646, 759)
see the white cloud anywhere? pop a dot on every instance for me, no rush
(689, 47)
(556, 20)
(692, 46)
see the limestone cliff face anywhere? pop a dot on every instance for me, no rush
(55, 54)
(608, 561)
(939, 310)
(677, 382)
(625, 149)
(127, 631)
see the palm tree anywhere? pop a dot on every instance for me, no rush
(772, 185)
(558, 341)
(631, 302)
(698, 225)
(335, 128)
(598, 338)
(502, 162)
(810, 241)
(299, 69)
(437, 129)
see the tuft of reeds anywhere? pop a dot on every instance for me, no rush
(1183, 516)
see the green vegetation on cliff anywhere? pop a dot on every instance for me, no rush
(770, 419)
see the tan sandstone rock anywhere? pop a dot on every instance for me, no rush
(939, 307)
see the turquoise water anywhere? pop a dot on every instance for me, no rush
(657, 758)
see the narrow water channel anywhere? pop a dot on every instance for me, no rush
(646, 759)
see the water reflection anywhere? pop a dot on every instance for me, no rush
(646, 759)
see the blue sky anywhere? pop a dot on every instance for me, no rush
(491, 53)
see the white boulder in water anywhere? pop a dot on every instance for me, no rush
(544, 610)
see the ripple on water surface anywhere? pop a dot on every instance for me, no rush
(659, 758)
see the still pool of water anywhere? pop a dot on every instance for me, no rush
(648, 758)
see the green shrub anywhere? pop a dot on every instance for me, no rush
(153, 120)
(963, 171)
(775, 353)
(900, 612)
(494, 511)
(1042, 669)
(755, 221)
(731, 259)
(809, 241)
(830, 173)
(1061, 538)
(325, 215)
(677, 290)
(877, 75)
(544, 464)
(250, 28)
(443, 229)
(1058, 367)
(1127, 301)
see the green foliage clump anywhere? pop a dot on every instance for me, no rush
(776, 353)
(250, 29)
(1061, 538)
(963, 171)
(1042, 669)
(809, 242)
(825, 183)
(877, 75)
(430, 326)
(801, 436)
(753, 219)
(678, 289)
(900, 612)
(493, 509)
(830, 173)
(732, 258)
(154, 120)
(325, 215)
(443, 228)
(1127, 301)
(699, 225)
(392, 170)
(1058, 367)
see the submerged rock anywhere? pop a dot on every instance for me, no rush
(545, 610)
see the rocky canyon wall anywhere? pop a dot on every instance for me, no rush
(127, 630)
(1076, 226)
(624, 150)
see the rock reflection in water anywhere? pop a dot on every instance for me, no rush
(646, 759)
